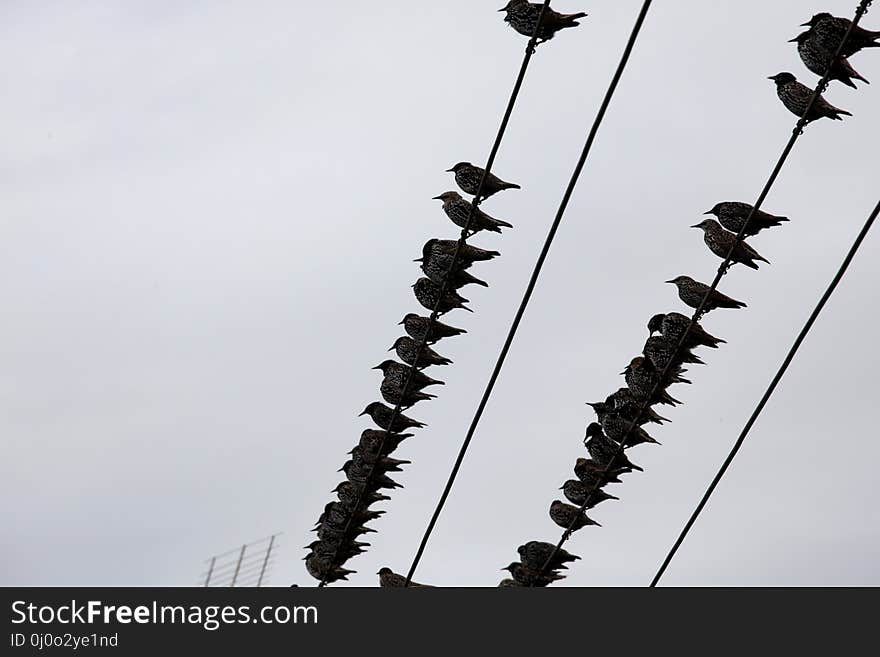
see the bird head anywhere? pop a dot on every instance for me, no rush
(513, 4)
(458, 167)
(680, 280)
(384, 571)
(397, 343)
(802, 37)
(370, 409)
(655, 324)
(715, 210)
(384, 365)
(599, 407)
(594, 431)
(446, 197)
(513, 566)
(815, 20)
(782, 78)
(705, 225)
(408, 318)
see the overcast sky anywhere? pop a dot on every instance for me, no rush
(209, 213)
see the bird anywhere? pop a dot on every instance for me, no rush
(467, 253)
(534, 555)
(692, 293)
(382, 415)
(437, 268)
(428, 294)
(422, 328)
(524, 576)
(721, 242)
(323, 570)
(619, 428)
(593, 475)
(330, 533)
(569, 517)
(577, 493)
(733, 214)
(818, 60)
(830, 31)
(400, 374)
(643, 380)
(522, 16)
(352, 495)
(605, 451)
(624, 403)
(364, 475)
(393, 393)
(508, 582)
(374, 440)
(365, 460)
(673, 326)
(336, 553)
(337, 514)
(468, 177)
(796, 96)
(388, 579)
(408, 351)
(661, 351)
(458, 210)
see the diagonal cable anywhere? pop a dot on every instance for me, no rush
(531, 285)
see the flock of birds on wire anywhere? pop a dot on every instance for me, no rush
(620, 417)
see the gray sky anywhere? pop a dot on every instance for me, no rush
(209, 212)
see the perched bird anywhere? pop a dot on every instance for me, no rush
(467, 254)
(661, 351)
(818, 59)
(400, 373)
(428, 293)
(522, 16)
(508, 582)
(603, 450)
(372, 440)
(336, 535)
(525, 576)
(618, 428)
(468, 177)
(365, 460)
(796, 96)
(624, 403)
(323, 570)
(351, 495)
(593, 475)
(692, 293)
(388, 579)
(418, 327)
(458, 210)
(577, 492)
(335, 553)
(393, 393)
(733, 214)
(365, 475)
(338, 515)
(720, 242)
(381, 415)
(673, 326)
(408, 351)
(830, 31)
(437, 267)
(643, 380)
(569, 517)
(535, 554)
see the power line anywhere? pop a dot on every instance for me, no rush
(531, 285)
(478, 198)
(722, 271)
(769, 392)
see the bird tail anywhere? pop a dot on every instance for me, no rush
(836, 113)
(848, 82)
(468, 278)
(571, 19)
(511, 186)
(497, 224)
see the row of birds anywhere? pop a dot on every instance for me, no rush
(673, 337)
(445, 265)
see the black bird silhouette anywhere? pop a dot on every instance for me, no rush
(672, 326)
(534, 555)
(336, 553)
(381, 415)
(408, 349)
(830, 30)
(569, 517)
(525, 576)
(399, 373)
(817, 59)
(427, 293)
(692, 293)
(351, 495)
(593, 475)
(642, 378)
(363, 459)
(576, 492)
(720, 242)
(796, 96)
(624, 403)
(468, 177)
(417, 327)
(733, 214)
(458, 210)
(365, 475)
(388, 579)
(323, 569)
(467, 254)
(522, 16)
(605, 451)
(437, 267)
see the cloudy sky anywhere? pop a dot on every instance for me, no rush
(209, 215)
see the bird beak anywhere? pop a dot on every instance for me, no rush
(437, 198)
(449, 170)
(709, 212)
(696, 226)
(503, 9)
(793, 40)
(378, 367)
(417, 260)
(807, 24)
(772, 77)
(391, 349)
(401, 322)
(359, 414)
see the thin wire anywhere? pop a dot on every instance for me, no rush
(531, 285)
(769, 392)
(478, 198)
(722, 270)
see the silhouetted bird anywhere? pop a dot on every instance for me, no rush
(364, 475)
(365, 460)
(593, 475)
(427, 293)
(603, 450)
(522, 16)
(351, 495)
(643, 379)
(400, 373)
(323, 570)
(829, 32)
(467, 254)
(673, 326)
(569, 517)
(624, 403)
(381, 415)
(733, 214)
(660, 350)
(408, 351)
(576, 492)
(372, 439)
(509, 582)
(817, 59)
(525, 576)
(720, 242)
(437, 268)
(337, 514)
(336, 535)
(468, 177)
(392, 392)
(417, 327)
(617, 428)
(692, 293)
(458, 210)
(796, 96)
(388, 579)
(335, 553)
(534, 555)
